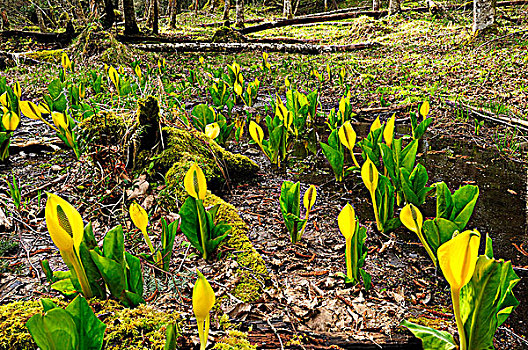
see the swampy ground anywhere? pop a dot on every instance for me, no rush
(304, 303)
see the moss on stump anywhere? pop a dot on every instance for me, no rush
(228, 35)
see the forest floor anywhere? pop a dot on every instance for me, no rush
(305, 303)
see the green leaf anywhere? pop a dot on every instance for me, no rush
(464, 200)
(336, 160)
(60, 104)
(487, 300)
(47, 304)
(438, 231)
(408, 155)
(190, 226)
(134, 274)
(55, 89)
(172, 337)
(54, 330)
(444, 201)
(114, 245)
(90, 330)
(65, 286)
(112, 272)
(431, 338)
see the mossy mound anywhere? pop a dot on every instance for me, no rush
(253, 275)
(228, 35)
(104, 129)
(97, 45)
(184, 147)
(139, 328)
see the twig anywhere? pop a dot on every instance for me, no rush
(276, 333)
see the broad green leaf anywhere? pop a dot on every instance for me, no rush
(90, 330)
(444, 201)
(134, 274)
(431, 338)
(190, 225)
(114, 245)
(55, 88)
(112, 273)
(464, 200)
(438, 231)
(47, 304)
(336, 160)
(54, 330)
(487, 300)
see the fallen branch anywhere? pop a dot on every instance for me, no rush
(237, 47)
(497, 119)
(355, 14)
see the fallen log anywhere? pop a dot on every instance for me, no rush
(237, 47)
(63, 39)
(355, 14)
(511, 122)
(219, 24)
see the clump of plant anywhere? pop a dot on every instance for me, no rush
(481, 291)
(10, 111)
(74, 327)
(290, 207)
(203, 115)
(198, 224)
(91, 270)
(355, 249)
(453, 212)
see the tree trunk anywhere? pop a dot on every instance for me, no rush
(80, 12)
(239, 22)
(483, 14)
(394, 7)
(375, 5)
(155, 17)
(5, 20)
(225, 18)
(131, 27)
(175, 9)
(109, 17)
(287, 10)
(40, 20)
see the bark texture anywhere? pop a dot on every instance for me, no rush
(225, 17)
(287, 10)
(394, 7)
(131, 27)
(483, 14)
(239, 21)
(375, 5)
(237, 47)
(109, 17)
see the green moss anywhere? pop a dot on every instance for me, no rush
(104, 128)
(184, 147)
(51, 56)
(253, 275)
(139, 328)
(436, 323)
(228, 35)
(234, 340)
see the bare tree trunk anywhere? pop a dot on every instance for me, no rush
(109, 17)
(131, 27)
(155, 17)
(175, 9)
(196, 6)
(287, 10)
(483, 14)
(375, 5)
(149, 12)
(394, 7)
(5, 20)
(40, 20)
(239, 22)
(80, 12)
(225, 18)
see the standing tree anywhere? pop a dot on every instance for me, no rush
(287, 10)
(239, 21)
(175, 9)
(394, 7)
(109, 16)
(225, 18)
(375, 5)
(483, 14)
(131, 27)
